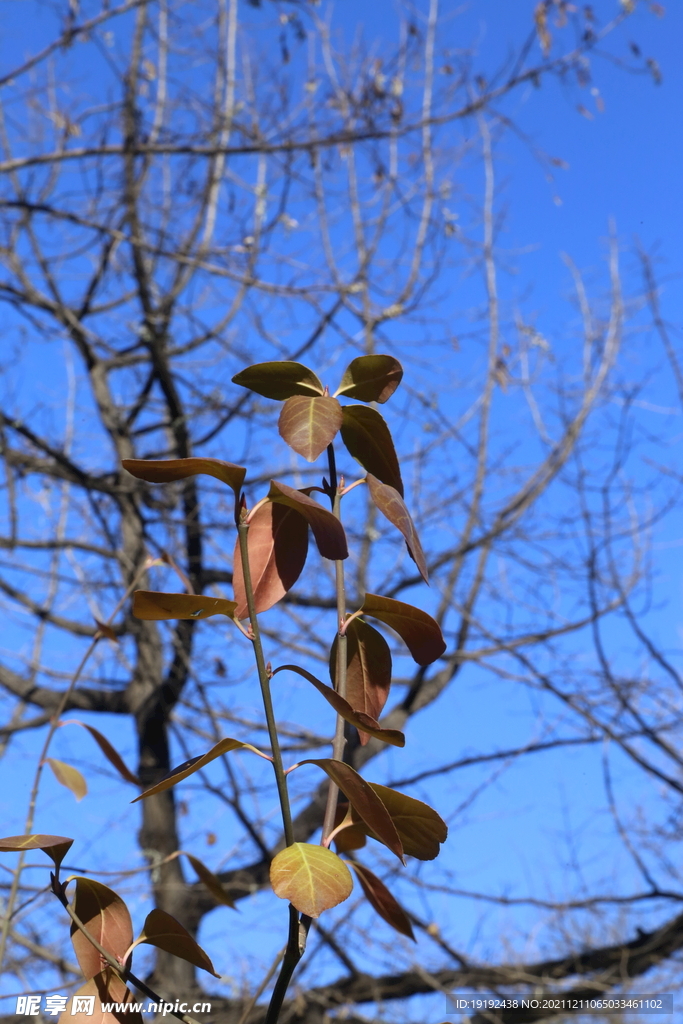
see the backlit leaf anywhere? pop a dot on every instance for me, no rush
(308, 425)
(109, 752)
(194, 764)
(312, 878)
(386, 905)
(106, 987)
(353, 836)
(68, 776)
(362, 721)
(278, 545)
(364, 800)
(55, 847)
(164, 932)
(421, 829)
(368, 669)
(391, 504)
(153, 605)
(371, 378)
(419, 631)
(163, 471)
(106, 917)
(367, 438)
(279, 380)
(211, 881)
(327, 530)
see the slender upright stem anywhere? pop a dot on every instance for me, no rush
(264, 680)
(296, 940)
(340, 682)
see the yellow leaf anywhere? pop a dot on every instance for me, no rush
(69, 777)
(312, 878)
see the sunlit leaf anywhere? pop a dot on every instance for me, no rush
(164, 932)
(367, 438)
(419, 631)
(194, 764)
(106, 987)
(106, 917)
(55, 847)
(163, 471)
(211, 881)
(312, 878)
(365, 802)
(108, 750)
(278, 545)
(353, 836)
(153, 605)
(279, 380)
(327, 530)
(362, 721)
(371, 378)
(68, 776)
(391, 504)
(308, 425)
(368, 669)
(386, 905)
(421, 829)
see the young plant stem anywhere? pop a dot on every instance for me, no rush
(340, 682)
(296, 944)
(264, 680)
(299, 927)
(296, 940)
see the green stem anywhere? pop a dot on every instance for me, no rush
(340, 683)
(295, 945)
(264, 680)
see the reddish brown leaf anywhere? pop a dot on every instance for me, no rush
(55, 847)
(362, 721)
(107, 631)
(109, 752)
(279, 380)
(368, 669)
(327, 530)
(367, 438)
(386, 905)
(163, 471)
(176, 775)
(421, 829)
(353, 837)
(68, 776)
(312, 878)
(364, 800)
(419, 631)
(164, 932)
(308, 425)
(211, 881)
(106, 917)
(154, 605)
(106, 987)
(371, 378)
(278, 545)
(391, 504)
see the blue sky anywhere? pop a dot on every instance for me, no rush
(623, 166)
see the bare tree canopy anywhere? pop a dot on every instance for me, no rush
(188, 189)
